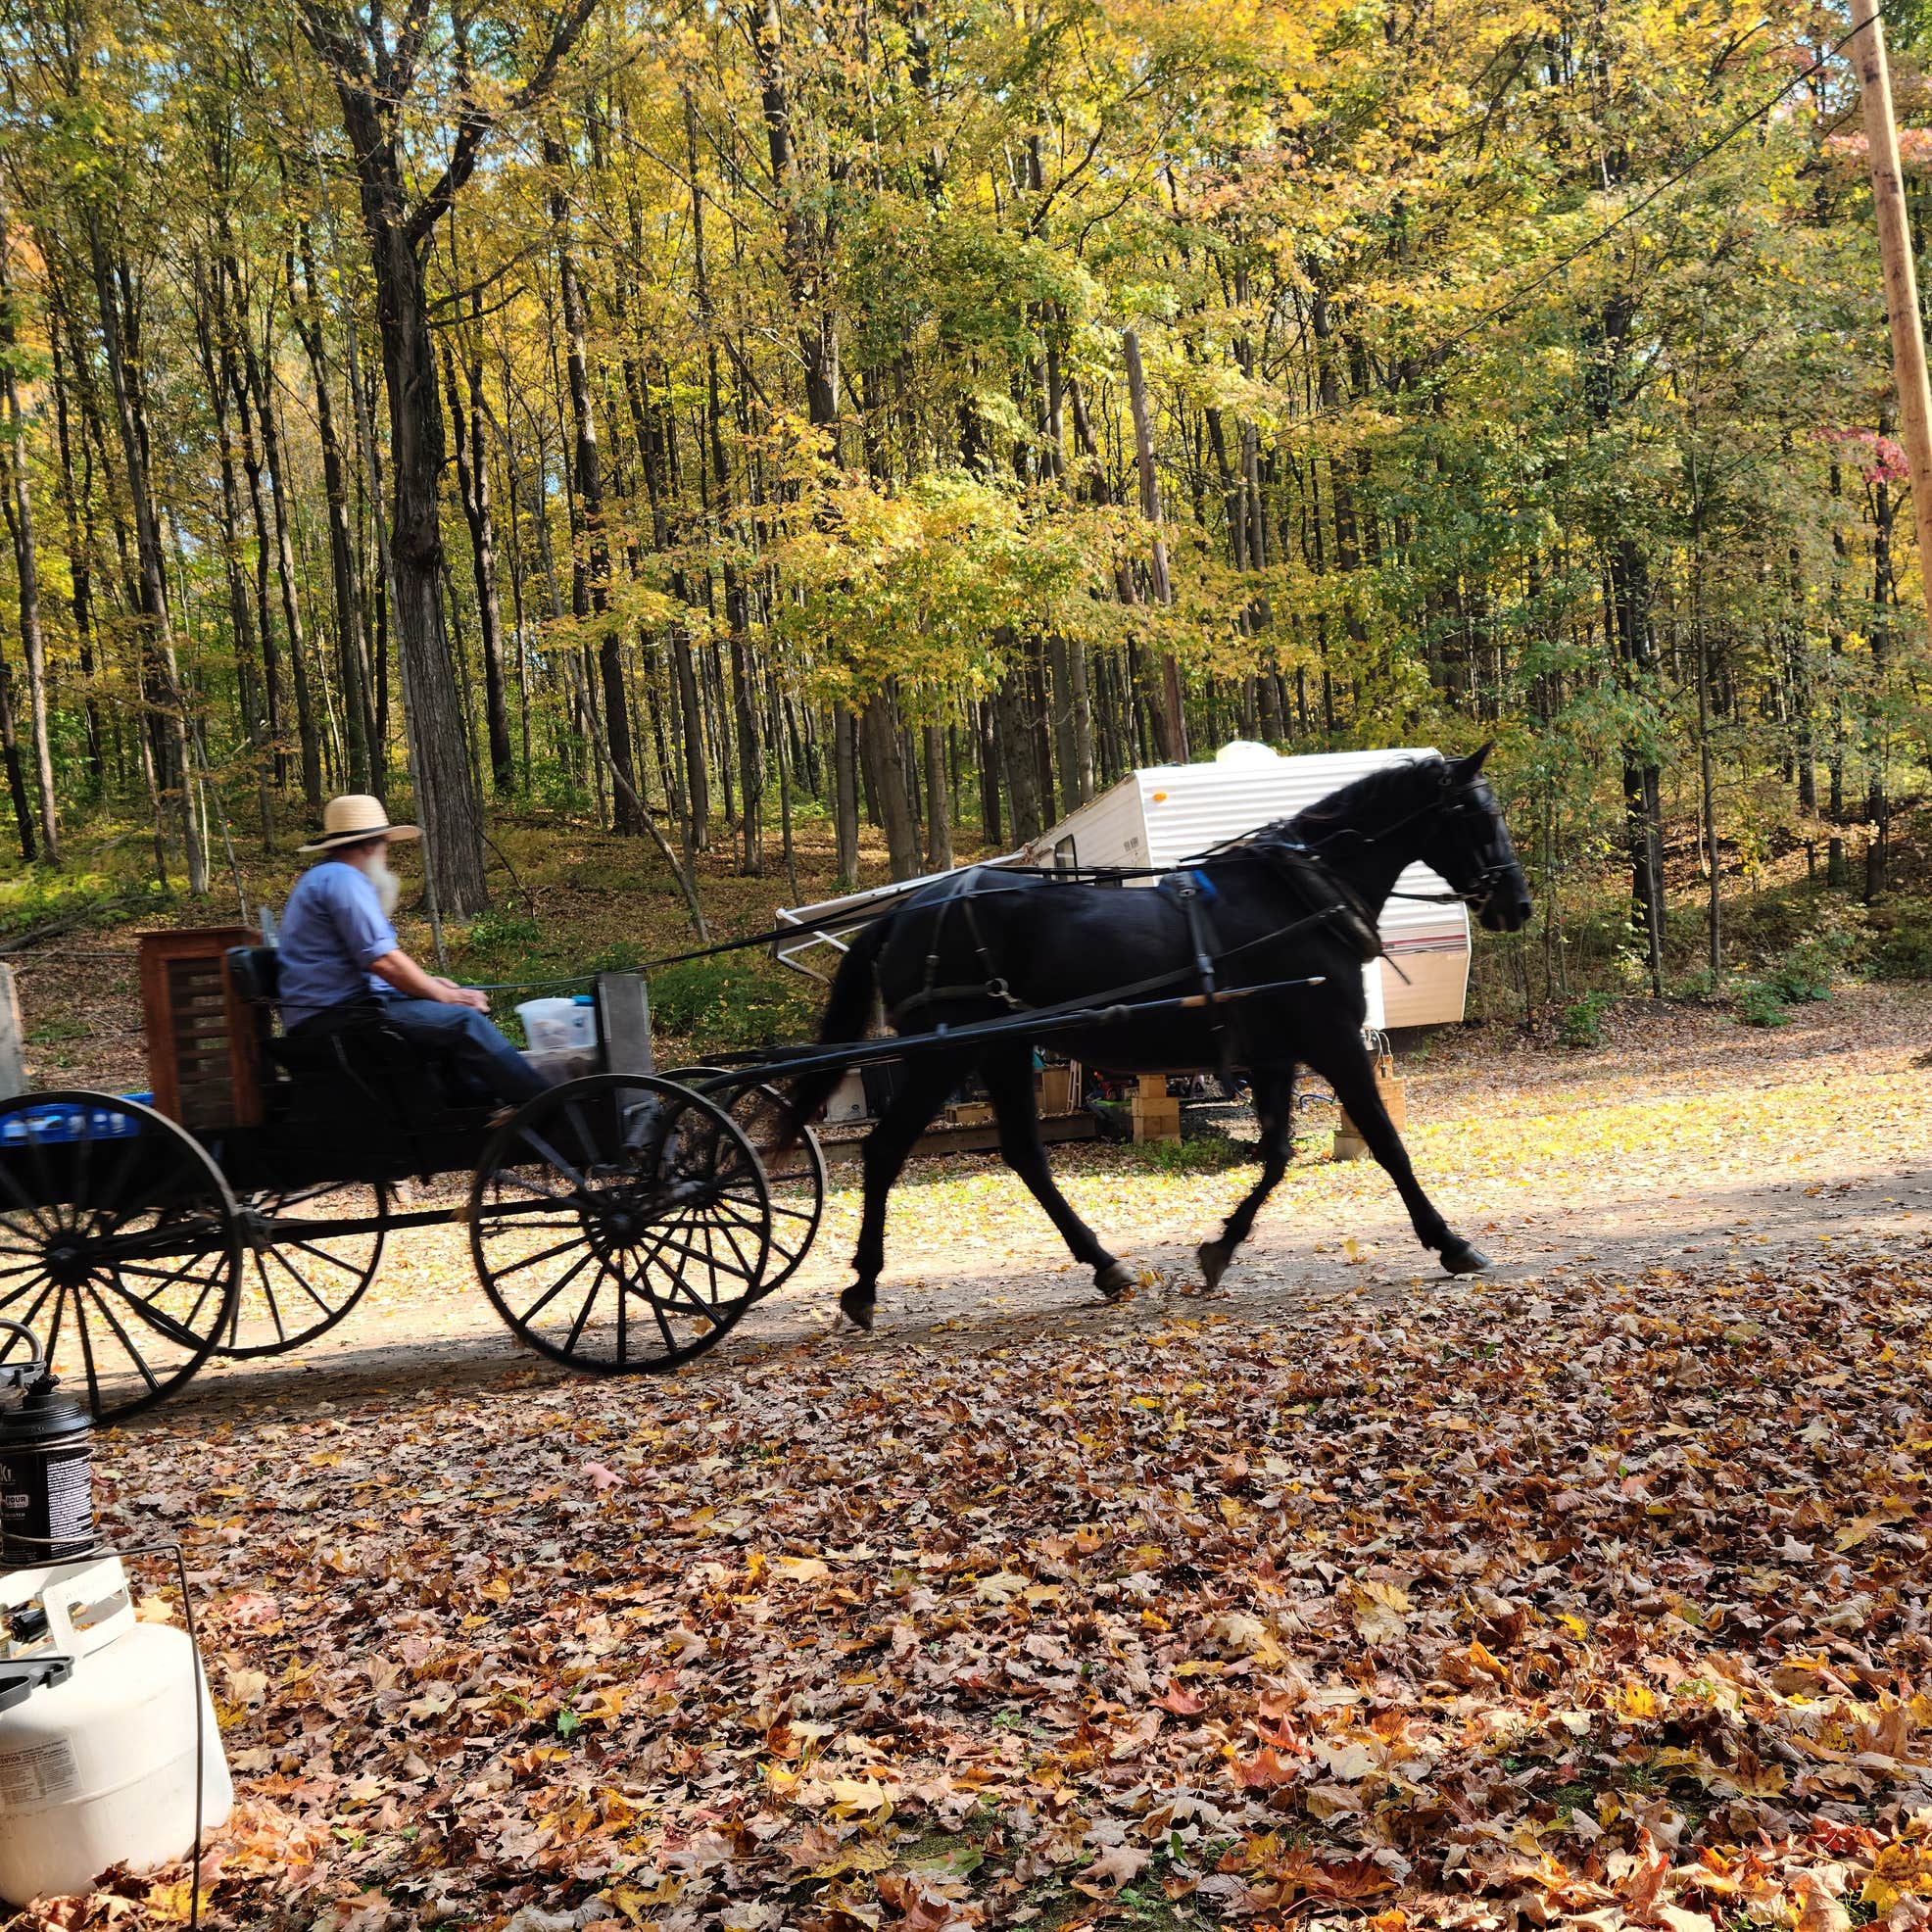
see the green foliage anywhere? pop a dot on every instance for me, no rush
(1804, 974)
(35, 896)
(730, 1005)
(1902, 939)
(1207, 1153)
(1580, 1023)
(1761, 1004)
(1698, 988)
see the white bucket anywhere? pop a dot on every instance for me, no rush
(557, 1026)
(100, 1771)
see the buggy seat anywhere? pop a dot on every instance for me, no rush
(363, 1049)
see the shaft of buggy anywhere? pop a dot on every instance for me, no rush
(783, 1062)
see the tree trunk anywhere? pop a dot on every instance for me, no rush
(160, 679)
(351, 620)
(880, 725)
(593, 579)
(939, 802)
(473, 486)
(18, 502)
(845, 761)
(260, 380)
(1170, 717)
(241, 615)
(10, 749)
(1017, 756)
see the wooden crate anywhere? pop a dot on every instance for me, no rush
(1349, 1144)
(1156, 1116)
(203, 1040)
(1058, 1090)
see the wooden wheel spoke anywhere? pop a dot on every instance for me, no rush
(158, 1320)
(12, 1295)
(673, 1273)
(556, 1288)
(267, 1295)
(37, 1154)
(590, 1301)
(10, 1341)
(108, 1200)
(128, 1347)
(627, 1287)
(531, 1260)
(324, 1255)
(725, 1235)
(301, 1280)
(24, 1203)
(710, 1260)
(574, 1114)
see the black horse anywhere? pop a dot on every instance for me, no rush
(1298, 899)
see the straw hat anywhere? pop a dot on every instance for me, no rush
(352, 819)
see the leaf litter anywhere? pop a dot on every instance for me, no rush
(1597, 1599)
(1607, 1608)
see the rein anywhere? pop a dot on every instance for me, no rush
(1258, 842)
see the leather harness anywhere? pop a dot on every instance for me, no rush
(1331, 900)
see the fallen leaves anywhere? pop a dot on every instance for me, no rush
(1603, 1605)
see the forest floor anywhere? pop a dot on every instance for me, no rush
(1592, 1592)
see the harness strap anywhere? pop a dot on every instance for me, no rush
(1192, 889)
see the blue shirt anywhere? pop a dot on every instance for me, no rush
(332, 930)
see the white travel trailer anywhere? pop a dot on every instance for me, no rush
(1169, 813)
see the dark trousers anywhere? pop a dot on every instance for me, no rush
(480, 1055)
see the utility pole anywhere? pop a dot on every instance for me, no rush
(1888, 194)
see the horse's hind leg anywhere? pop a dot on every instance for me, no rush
(1273, 1107)
(1008, 1076)
(922, 1092)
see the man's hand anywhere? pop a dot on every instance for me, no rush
(452, 995)
(402, 972)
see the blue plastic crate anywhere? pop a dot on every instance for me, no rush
(65, 1121)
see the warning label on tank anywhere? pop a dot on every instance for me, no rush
(40, 1777)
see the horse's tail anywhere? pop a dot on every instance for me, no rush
(847, 1011)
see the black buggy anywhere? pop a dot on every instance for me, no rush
(621, 1220)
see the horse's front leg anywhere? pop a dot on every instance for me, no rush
(1352, 1073)
(1273, 1107)
(1008, 1076)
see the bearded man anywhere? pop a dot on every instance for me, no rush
(342, 967)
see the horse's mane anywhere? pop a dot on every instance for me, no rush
(1367, 798)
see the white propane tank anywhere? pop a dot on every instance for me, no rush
(99, 1769)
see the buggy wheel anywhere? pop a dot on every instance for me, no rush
(795, 1179)
(309, 1254)
(118, 1245)
(620, 1222)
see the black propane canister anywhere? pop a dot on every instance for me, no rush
(46, 1465)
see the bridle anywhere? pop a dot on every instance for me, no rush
(1452, 801)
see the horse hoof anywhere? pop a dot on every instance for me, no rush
(1460, 1258)
(857, 1305)
(1213, 1259)
(1115, 1280)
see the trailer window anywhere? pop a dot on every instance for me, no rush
(1065, 859)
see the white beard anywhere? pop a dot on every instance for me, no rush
(388, 887)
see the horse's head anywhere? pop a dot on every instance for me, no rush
(1468, 842)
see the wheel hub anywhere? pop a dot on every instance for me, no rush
(68, 1263)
